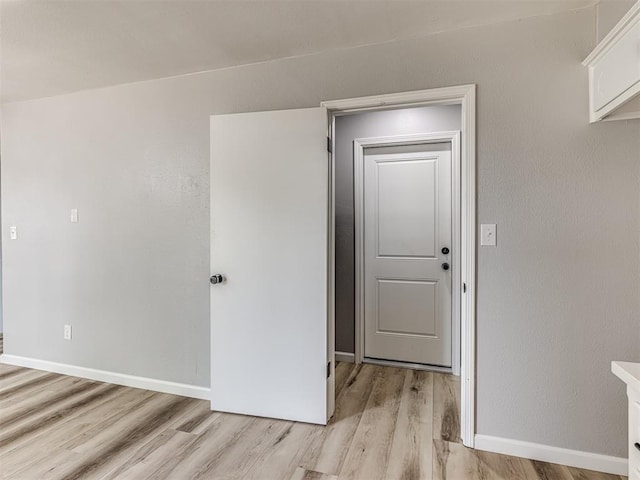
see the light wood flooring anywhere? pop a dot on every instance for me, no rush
(389, 424)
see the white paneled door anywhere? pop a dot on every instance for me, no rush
(407, 254)
(269, 244)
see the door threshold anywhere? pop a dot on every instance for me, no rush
(410, 366)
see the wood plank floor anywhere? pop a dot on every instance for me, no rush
(389, 424)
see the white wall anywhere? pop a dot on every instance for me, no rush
(437, 118)
(558, 299)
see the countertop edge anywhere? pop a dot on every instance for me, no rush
(628, 372)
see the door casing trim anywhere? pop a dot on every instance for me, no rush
(359, 144)
(464, 95)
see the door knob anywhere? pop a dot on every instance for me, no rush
(215, 279)
(445, 251)
(445, 266)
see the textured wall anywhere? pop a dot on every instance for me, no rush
(558, 299)
(348, 128)
(1, 323)
(131, 275)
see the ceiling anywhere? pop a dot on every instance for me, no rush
(55, 47)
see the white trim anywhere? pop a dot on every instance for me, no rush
(606, 44)
(464, 95)
(163, 386)
(547, 453)
(433, 96)
(631, 18)
(331, 279)
(358, 220)
(345, 357)
(359, 145)
(468, 260)
(621, 116)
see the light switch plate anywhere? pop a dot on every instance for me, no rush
(488, 234)
(74, 215)
(13, 233)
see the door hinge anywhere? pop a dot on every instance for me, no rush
(329, 145)
(328, 369)
(464, 288)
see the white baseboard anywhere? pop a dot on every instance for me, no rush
(546, 453)
(345, 357)
(163, 386)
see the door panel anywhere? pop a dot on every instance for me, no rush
(269, 239)
(407, 222)
(406, 208)
(407, 307)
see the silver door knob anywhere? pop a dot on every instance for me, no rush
(215, 279)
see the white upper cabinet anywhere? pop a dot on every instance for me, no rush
(614, 71)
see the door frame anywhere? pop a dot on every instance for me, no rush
(359, 144)
(464, 95)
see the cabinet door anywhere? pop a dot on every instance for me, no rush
(634, 432)
(618, 70)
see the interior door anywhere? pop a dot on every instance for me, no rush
(407, 242)
(269, 243)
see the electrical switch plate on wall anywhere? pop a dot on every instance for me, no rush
(74, 215)
(488, 234)
(13, 233)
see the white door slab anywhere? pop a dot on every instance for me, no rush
(269, 240)
(407, 223)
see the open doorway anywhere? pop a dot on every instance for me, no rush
(403, 208)
(272, 300)
(397, 237)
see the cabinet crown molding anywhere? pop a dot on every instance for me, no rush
(619, 29)
(614, 71)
